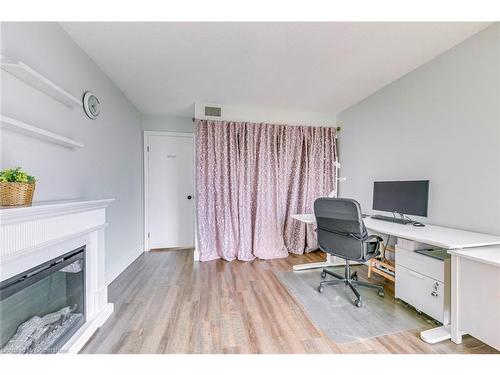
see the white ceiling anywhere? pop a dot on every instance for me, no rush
(319, 67)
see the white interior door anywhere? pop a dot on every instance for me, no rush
(170, 190)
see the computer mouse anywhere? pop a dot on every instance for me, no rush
(417, 224)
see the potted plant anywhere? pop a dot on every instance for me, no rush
(16, 187)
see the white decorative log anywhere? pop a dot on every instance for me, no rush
(38, 334)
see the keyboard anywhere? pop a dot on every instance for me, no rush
(391, 219)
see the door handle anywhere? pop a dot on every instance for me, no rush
(189, 197)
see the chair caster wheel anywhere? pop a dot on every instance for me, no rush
(323, 274)
(358, 303)
(320, 289)
(354, 276)
(381, 293)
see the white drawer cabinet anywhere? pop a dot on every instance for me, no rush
(420, 291)
(422, 264)
(423, 282)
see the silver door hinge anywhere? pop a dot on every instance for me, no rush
(149, 235)
(148, 148)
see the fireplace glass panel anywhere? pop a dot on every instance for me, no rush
(43, 307)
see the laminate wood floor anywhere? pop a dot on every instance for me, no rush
(166, 303)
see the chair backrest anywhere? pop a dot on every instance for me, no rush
(339, 222)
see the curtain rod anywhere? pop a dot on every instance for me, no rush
(338, 127)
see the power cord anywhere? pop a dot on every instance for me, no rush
(385, 246)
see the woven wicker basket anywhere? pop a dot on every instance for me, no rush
(16, 193)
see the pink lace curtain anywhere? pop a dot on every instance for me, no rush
(250, 178)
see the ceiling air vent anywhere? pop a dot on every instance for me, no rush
(213, 111)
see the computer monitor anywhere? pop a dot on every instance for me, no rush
(404, 197)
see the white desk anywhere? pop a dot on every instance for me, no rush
(475, 294)
(305, 218)
(446, 238)
(443, 237)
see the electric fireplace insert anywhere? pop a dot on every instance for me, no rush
(41, 308)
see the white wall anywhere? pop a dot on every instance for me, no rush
(110, 164)
(440, 122)
(237, 113)
(167, 123)
(269, 115)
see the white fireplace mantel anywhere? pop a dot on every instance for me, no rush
(30, 236)
(15, 214)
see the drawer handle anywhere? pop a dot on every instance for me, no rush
(415, 274)
(434, 293)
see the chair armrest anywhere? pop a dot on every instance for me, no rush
(371, 248)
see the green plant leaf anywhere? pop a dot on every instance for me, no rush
(16, 175)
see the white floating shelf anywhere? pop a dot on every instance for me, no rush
(40, 82)
(21, 127)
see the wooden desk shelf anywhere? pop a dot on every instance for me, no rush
(378, 265)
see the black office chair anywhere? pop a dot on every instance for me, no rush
(341, 233)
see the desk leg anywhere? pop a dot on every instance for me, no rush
(456, 335)
(450, 331)
(330, 262)
(435, 335)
